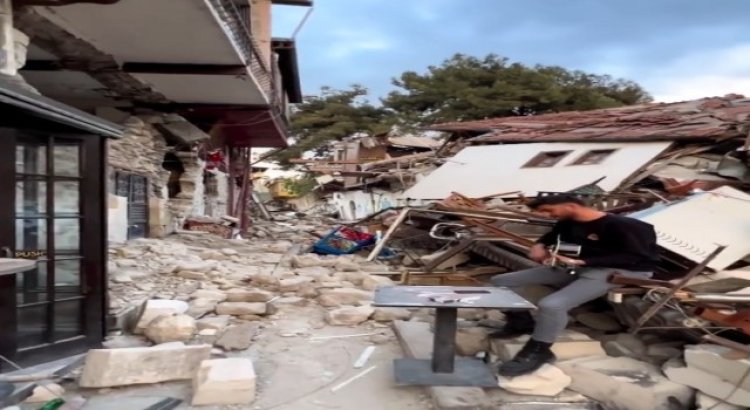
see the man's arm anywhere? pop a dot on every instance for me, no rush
(632, 244)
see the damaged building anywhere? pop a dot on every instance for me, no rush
(178, 92)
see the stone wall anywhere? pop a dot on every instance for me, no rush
(190, 201)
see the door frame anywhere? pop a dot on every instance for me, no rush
(93, 249)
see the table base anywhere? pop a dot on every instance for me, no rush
(466, 372)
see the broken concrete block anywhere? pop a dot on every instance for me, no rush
(625, 345)
(122, 341)
(154, 308)
(569, 345)
(202, 267)
(310, 260)
(349, 315)
(45, 392)
(213, 322)
(713, 359)
(249, 295)
(706, 402)
(709, 384)
(624, 383)
(238, 337)
(201, 307)
(141, 365)
(472, 340)
(209, 294)
(224, 381)
(343, 297)
(240, 308)
(547, 381)
(176, 328)
(391, 314)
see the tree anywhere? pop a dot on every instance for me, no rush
(332, 116)
(468, 88)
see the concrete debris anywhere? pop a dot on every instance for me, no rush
(547, 381)
(248, 295)
(176, 328)
(141, 365)
(213, 322)
(472, 340)
(343, 297)
(224, 381)
(391, 314)
(624, 383)
(706, 402)
(238, 337)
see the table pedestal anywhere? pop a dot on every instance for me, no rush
(444, 369)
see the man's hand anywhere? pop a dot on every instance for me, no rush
(570, 261)
(538, 253)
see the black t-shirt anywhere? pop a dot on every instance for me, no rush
(611, 241)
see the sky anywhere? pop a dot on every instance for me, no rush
(675, 49)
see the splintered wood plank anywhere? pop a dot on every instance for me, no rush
(416, 341)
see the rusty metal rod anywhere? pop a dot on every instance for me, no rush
(681, 284)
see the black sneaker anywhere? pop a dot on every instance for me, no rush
(532, 356)
(517, 324)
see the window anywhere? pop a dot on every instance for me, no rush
(593, 157)
(546, 159)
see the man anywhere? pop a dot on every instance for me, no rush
(609, 243)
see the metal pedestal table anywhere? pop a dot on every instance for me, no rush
(444, 369)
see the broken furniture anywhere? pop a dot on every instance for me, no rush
(444, 369)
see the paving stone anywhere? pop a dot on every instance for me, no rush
(224, 381)
(547, 381)
(141, 365)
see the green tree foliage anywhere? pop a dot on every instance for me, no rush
(470, 88)
(332, 116)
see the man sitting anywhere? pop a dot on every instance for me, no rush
(609, 243)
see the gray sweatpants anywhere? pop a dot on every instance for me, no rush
(552, 316)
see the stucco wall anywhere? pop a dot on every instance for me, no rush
(359, 204)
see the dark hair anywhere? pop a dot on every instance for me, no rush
(555, 200)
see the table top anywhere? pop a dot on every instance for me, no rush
(12, 266)
(450, 297)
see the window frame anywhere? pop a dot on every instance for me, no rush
(540, 157)
(608, 152)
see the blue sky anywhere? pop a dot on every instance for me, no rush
(676, 49)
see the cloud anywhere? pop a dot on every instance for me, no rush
(347, 42)
(704, 73)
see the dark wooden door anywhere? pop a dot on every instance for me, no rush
(53, 195)
(135, 188)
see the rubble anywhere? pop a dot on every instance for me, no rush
(45, 392)
(349, 315)
(547, 381)
(224, 381)
(343, 296)
(238, 337)
(141, 365)
(570, 345)
(624, 383)
(241, 308)
(155, 308)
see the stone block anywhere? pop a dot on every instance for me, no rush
(391, 314)
(472, 340)
(141, 365)
(224, 382)
(209, 294)
(241, 308)
(294, 284)
(709, 384)
(45, 392)
(547, 381)
(624, 383)
(372, 282)
(343, 297)
(570, 345)
(248, 295)
(717, 360)
(201, 307)
(176, 328)
(706, 402)
(237, 337)
(213, 322)
(154, 308)
(349, 315)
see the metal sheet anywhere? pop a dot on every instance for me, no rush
(485, 170)
(693, 228)
(471, 297)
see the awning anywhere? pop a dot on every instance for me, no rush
(13, 93)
